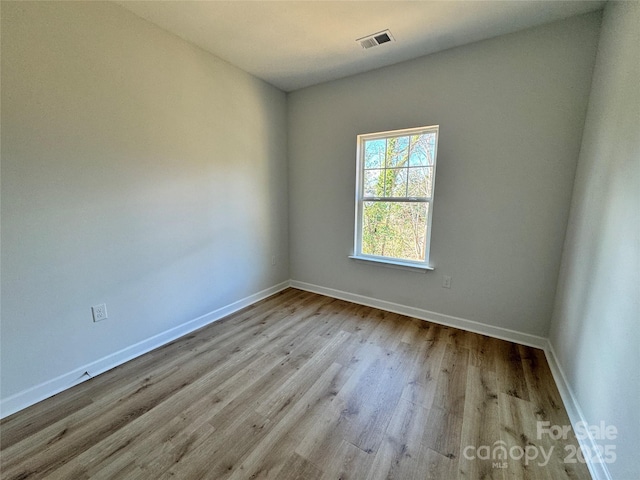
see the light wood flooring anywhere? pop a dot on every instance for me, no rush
(301, 386)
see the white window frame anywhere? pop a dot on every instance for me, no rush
(360, 199)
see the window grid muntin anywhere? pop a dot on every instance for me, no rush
(407, 168)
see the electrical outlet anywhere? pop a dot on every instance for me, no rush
(274, 260)
(446, 281)
(99, 312)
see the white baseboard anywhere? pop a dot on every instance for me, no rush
(597, 467)
(37, 393)
(442, 319)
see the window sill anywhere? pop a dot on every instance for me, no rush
(393, 263)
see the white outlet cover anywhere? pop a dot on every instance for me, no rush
(99, 312)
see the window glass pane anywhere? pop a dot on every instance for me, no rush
(423, 150)
(395, 229)
(374, 183)
(396, 182)
(397, 151)
(420, 182)
(374, 153)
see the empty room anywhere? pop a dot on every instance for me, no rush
(320, 240)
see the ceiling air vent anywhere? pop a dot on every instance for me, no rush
(376, 39)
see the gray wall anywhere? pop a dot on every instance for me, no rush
(137, 170)
(511, 111)
(596, 322)
(140, 171)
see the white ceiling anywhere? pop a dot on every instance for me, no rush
(295, 44)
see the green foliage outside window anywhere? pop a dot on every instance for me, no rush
(397, 184)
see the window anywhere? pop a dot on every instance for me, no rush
(394, 196)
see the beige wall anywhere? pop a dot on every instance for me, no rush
(511, 111)
(137, 170)
(596, 323)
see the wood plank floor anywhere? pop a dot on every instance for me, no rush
(302, 386)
